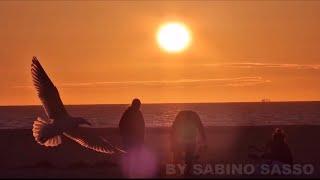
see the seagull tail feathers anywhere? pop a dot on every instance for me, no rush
(44, 133)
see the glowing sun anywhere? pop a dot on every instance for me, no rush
(173, 37)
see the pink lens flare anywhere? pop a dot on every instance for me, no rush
(139, 162)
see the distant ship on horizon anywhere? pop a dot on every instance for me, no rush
(265, 100)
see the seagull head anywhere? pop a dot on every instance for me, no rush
(81, 121)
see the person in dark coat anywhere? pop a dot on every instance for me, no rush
(132, 126)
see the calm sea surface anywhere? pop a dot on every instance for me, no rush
(212, 114)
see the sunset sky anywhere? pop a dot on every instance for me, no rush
(106, 52)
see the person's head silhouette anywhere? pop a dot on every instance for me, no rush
(135, 105)
(279, 135)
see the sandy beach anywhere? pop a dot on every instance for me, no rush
(21, 156)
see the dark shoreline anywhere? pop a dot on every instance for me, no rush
(21, 156)
(165, 128)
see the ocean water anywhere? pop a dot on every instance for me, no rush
(159, 115)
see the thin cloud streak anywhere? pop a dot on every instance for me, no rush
(239, 81)
(266, 65)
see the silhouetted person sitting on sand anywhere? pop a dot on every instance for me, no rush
(277, 149)
(185, 130)
(132, 126)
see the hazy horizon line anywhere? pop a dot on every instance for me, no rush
(150, 103)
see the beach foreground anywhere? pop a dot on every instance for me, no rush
(21, 156)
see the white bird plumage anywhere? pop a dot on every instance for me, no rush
(60, 123)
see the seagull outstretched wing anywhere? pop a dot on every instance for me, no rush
(47, 92)
(93, 142)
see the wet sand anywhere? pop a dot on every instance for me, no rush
(21, 156)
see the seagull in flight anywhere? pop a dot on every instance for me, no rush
(49, 132)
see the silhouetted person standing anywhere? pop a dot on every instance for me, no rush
(276, 150)
(186, 128)
(132, 126)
